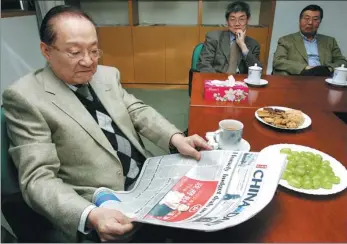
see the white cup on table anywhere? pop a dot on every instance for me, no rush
(254, 74)
(340, 75)
(229, 134)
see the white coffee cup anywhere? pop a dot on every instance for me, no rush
(229, 134)
(340, 75)
(254, 74)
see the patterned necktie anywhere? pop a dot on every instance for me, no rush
(233, 59)
(85, 92)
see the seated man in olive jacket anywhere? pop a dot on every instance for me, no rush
(306, 52)
(230, 51)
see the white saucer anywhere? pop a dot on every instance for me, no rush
(330, 81)
(242, 146)
(262, 82)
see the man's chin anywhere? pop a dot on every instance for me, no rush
(84, 79)
(309, 33)
(234, 31)
(81, 81)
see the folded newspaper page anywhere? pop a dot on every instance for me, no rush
(223, 189)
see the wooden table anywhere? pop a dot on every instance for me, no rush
(290, 217)
(291, 91)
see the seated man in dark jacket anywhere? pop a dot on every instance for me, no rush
(230, 51)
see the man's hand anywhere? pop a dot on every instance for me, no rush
(240, 36)
(110, 224)
(187, 145)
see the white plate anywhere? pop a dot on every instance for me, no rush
(262, 82)
(307, 121)
(330, 81)
(337, 167)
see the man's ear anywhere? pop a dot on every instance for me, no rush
(45, 50)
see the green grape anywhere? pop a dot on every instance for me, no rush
(285, 175)
(285, 150)
(310, 154)
(323, 171)
(306, 159)
(307, 185)
(314, 168)
(327, 185)
(335, 180)
(318, 163)
(290, 157)
(308, 170)
(317, 176)
(302, 166)
(291, 165)
(306, 177)
(327, 167)
(312, 173)
(309, 164)
(321, 174)
(299, 171)
(294, 162)
(319, 157)
(326, 162)
(326, 179)
(316, 184)
(309, 158)
(299, 178)
(294, 183)
(331, 174)
(297, 157)
(300, 162)
(290, 177)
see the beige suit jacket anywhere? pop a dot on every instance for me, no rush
(60, 151)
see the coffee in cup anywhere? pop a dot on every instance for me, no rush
(229, 134)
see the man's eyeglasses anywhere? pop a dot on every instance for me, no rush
(308, 19)
(241, 21)
(78, 55)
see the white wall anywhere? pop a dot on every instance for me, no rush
(107, 12)
(112, 12)
(20, 50)
(213, 12)
(287, 21)
(168, 12)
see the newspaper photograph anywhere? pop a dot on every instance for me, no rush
(223, 189)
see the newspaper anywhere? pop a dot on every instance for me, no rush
(223, 189)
